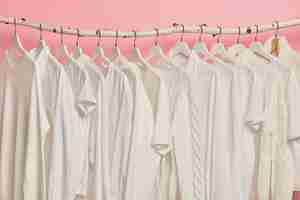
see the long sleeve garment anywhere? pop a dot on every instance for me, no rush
(151, 136)
(291, 59)
(269, 114)
(69, 151)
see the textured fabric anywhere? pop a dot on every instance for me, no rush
(215, 182)
(201, 101)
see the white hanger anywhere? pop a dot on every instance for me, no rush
(156, 51)
(78, 51)
(181, 47)
(63, 50)
(136, 55)
(219, 51)
(219, 47)
(258, 49)
(116, 52)
(99, 52)
(17, 45)
(200, 46)
(238, 47)
(41, 44)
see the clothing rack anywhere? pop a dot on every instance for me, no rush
(176, 28)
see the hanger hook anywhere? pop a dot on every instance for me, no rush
(182, 33)
(220, 33)
(61, 35)
(257, 31)
(134, 39)
(41, 32)
(201, 31)
(157, 36)
(78, 35)
(99, 34)
(15, 26)
(116, 38)
(277, 28)
(239, 35)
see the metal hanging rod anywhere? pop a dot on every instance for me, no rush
(176, 28)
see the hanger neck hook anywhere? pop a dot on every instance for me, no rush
(116, 38)
(78, 36)
(41, 32)
(157, 36)
(182, 33)
(201, 31)
(134, 38)
(99, 34)
(239, 35)
(15, 26)
(61, 35)
(257, 31)
(277, 28)
(220, 34)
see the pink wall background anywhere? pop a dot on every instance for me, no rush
(145, 14)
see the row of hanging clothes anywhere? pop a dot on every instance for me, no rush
(194, 124)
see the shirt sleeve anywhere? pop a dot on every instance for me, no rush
(293, 107)
(161, 139)
(123, 135)
(86, 101)
(182, 142)
(62, 126)
(255, 116)
(38, 126)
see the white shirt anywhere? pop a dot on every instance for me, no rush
(110, 130)
(68, 167)
(291, 59)
(181, 130)
(222, 138)
(202, 82)
(242, 141)
(53, 99)
(151, 137)
(9, 87)
(268, 115)
(217, 149)
(98, 176)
